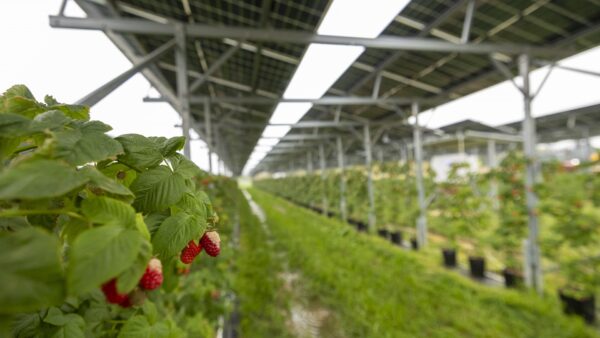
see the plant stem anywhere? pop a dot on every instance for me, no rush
(17, 212)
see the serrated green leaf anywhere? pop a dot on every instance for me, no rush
(140, 152)
(18, 90)
(13, 223)
(154, 220)
(99, 180)
(100, 254)
(193, 204)
(157, 189)
(12, 125)
(52, 119)
(130, 277)
(73, 111)
(170, 146)
(73, 328)
(150, 311)
(39, 178)
(141, 226)
(120, 173)
(32, 276)
(27, 326)
(184, 167)
(174, 234)
(108, 211)
(139, 327)
(86, 144)
(55, 317)
(50, 100)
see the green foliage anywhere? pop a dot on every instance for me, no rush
(380, 291)
(461, 208)
(576, 230)
(73, 204)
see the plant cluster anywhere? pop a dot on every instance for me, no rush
(82, 214)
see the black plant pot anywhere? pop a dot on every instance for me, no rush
(396, 237)
(512, 278)
(360, 226)
(414, 244)
(383, 233)
(477, 267)
(449, 257)
(585, 307)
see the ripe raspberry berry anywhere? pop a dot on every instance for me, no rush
(153, 277)
(190, 252)
(112, 295)
(211, 243)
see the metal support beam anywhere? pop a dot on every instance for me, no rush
(325, 100)
(370, 188)
(533, 270)
(376, 86)
(323, 177)
(139, 26)
(340, 158)
(208, 134)
(464, 38)
(214, 67)
(100, 93)
(460, 136)
(492, 163)
(309, 161)
(418, 149)
(183, 93)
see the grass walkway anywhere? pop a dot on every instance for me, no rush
(380, 291)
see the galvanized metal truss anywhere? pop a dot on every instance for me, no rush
(453, 38)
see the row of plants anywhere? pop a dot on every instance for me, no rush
(463, 216)
(375, 290)
(105, 236)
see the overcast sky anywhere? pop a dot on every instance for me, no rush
(68, 64)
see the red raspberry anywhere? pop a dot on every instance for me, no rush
(211, 243)
(153, 277)
(112, 295)
(190, 252)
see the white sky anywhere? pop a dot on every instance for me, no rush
(68, 64)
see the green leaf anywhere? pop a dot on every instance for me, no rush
(32, 276)
(120, 173)
(170, 146)
(141, 226)
(39, 178)
(27, 326)
(174, 234)
(157, 189)
(73, 111)
(86, 144)
(52, 119)
(138, 327)
(73, 327)
(108, 211)
(130, 277)
(12, 125)
(99, 180)
(184, 167)
(193, 204)
(55, 317)
(150, 311)
(140, 152)
(154, 220)
(19, 100)
(100, 254)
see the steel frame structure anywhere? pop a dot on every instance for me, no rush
(121, 29)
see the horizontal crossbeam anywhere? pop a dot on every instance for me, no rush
(140, 26)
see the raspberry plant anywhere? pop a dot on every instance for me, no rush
(80, 209)
(461, 209)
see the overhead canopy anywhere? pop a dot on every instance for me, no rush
(250, 49)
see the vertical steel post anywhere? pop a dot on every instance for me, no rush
(464, 37)
(208, 132)
(529, 143)
(183, 94)
(309, 162)
(340, 156)
(370, 188)
(461, 143)
(492, 163)
(323, 183)
(418, 148)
